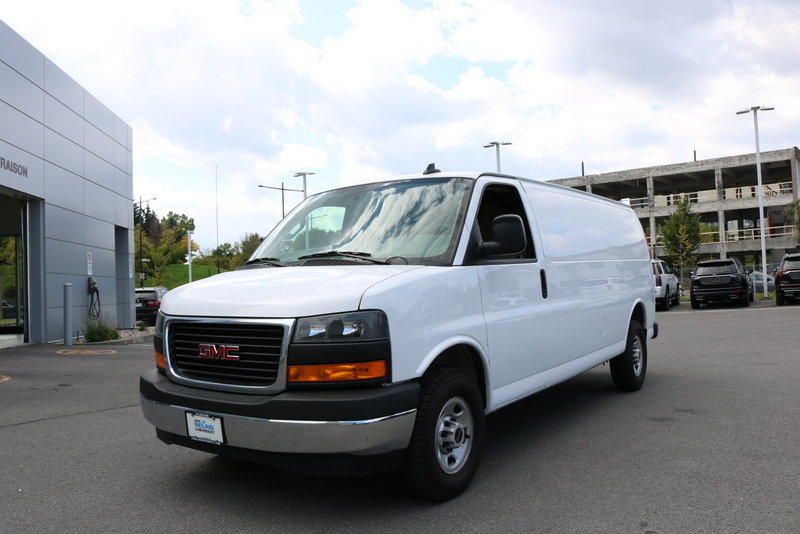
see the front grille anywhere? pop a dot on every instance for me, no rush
(259, 352)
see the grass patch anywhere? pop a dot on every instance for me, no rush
(177, 275)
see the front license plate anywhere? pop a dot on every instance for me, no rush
(205, 428)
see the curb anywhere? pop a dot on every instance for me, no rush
(147, 338)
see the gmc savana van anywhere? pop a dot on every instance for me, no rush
(383, 322)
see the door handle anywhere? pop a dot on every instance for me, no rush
(543, 278)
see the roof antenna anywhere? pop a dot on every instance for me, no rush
(431, 169)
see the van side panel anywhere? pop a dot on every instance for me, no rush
(597, 266)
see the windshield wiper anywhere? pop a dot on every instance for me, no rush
(365, 256)
(275, 262)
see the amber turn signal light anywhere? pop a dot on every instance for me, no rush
(161, 363)
(337, 372)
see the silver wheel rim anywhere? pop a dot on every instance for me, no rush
(454, 435)
(636, 356)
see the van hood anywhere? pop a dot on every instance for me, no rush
(279, 292)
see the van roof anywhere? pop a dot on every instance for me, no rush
(476, 175)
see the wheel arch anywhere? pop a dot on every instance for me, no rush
(464, 355)
(639, 314)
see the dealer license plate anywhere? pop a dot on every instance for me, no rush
(204, 427)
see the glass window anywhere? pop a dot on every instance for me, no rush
(716, 268)
(418, 220)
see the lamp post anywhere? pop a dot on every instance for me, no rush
(141, 240)
(282, 189)
(304, 174)
(496, 145)
(755, 110)
(189, 245)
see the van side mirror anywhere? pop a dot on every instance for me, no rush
(509, 237)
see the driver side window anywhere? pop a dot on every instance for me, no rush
(498, 200)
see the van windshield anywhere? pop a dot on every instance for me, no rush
(417, 221)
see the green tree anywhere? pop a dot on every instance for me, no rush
(178, 222)
(793, 210)
(681, 234)
(248, 245)
(162, 241)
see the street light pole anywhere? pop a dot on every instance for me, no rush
(304, 174)
(496, 145)
(189, 245)
(762, 222)
(282, 189)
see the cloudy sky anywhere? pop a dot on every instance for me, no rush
(224, 95)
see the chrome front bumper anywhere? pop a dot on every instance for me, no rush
(360, 437)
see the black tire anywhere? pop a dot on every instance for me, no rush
(446, 444)
(779, 300)
(629, 368)
(677, 300)
(695, 303)
(665, 303)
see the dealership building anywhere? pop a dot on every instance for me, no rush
(66, 201)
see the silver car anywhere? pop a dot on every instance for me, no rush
(668, 287)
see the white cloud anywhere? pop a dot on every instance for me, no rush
(614, 84)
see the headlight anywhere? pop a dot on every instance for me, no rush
(342, 327)
(159, 328)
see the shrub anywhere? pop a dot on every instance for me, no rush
(98, 330)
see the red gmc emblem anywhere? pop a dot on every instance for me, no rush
(218, 352)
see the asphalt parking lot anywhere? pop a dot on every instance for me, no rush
(709, 445)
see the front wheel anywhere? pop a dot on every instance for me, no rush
(445, 447)
(629, 368)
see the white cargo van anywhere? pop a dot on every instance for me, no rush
(381, 323)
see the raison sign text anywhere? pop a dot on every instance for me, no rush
(16, 168)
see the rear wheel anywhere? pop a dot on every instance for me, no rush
(666, 302)
(695, 303)
(629, 368)
(779, 300)
(445, 447)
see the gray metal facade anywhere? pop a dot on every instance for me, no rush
(65, 159)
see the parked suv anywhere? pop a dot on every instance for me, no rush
(668, 287)
(721, 281)
(148, 302)
(787, 279)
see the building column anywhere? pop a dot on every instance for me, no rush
(723, 230)
(650, 206)
(793, 165)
